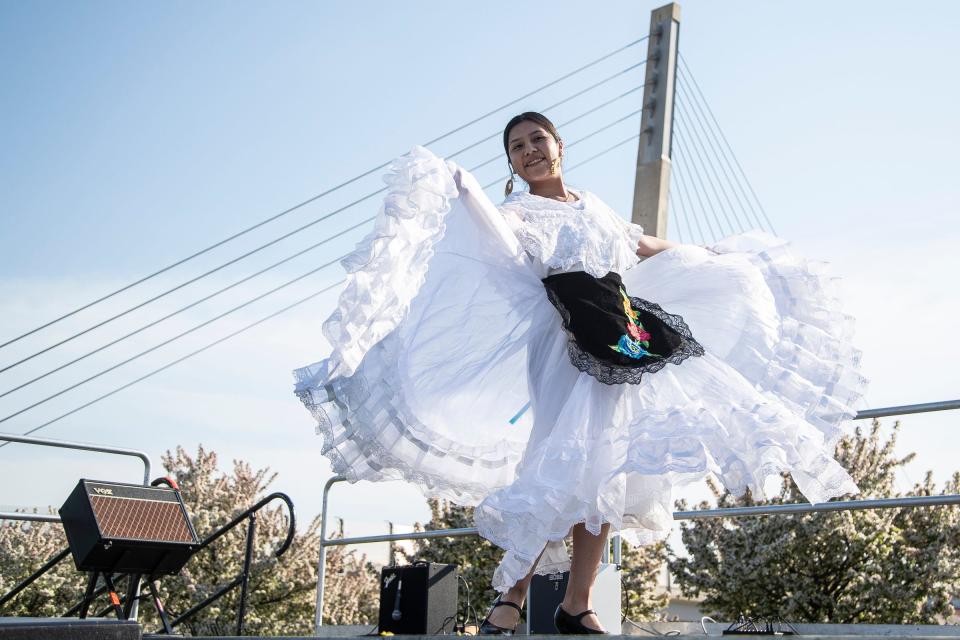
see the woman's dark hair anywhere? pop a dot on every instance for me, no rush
(532, 116)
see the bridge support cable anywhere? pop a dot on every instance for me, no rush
(312, 199)
(685, 183)
(683, 201)
(245, 304)
(712, 139)
(181, 359)
(675, 214)
(247, 278)
(164, 343)
(560, 125)
(681, 217)
(573, 96)
(695, 178)
(685, 69)
(710, 169)
(189, 306)
(243, 329)
(704, 177)
(275, 241)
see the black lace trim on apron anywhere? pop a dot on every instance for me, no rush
(614, 337)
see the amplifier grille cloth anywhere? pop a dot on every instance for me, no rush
(141, 519)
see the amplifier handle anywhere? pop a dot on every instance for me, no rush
(167, 480)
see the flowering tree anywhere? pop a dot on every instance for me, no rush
(640, 569)
(282, 591)
(883, 566)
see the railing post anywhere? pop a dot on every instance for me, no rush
(322, 562)
(652, 180)
(245, 579)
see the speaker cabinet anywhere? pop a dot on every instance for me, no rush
(127, 528)
(419, 599)
(547, 591)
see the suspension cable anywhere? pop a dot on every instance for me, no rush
(711, 170)
(674, 213)
(698, 155)
(241, 330)
(266, 245)
(689, 160)
(189, 306)
(733, 155)
(724, 162)
(169, 340)
(682, 206)
(682, 183)
(181, 359)
(255, 299)
(315, 198)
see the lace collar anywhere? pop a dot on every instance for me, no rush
(532, 201)
(582, 235)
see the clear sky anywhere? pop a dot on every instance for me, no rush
(136, 133)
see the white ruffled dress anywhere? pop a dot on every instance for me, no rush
(450, 367)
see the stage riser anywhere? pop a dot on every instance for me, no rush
(68, 629)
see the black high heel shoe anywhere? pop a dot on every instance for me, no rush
(567, 624)
(487, 628)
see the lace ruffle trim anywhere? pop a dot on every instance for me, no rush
(389, 265)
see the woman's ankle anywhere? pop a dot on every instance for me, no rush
(514, 595)
(574, 604)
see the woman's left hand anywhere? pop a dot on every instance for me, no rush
(651, 246)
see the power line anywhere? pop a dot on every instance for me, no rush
(261, 248)
(316, 197)
(245, 328)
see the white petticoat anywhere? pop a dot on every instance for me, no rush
(444, 333)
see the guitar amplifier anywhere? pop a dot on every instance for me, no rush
(127, 528)
(547, 591)
(418, 599)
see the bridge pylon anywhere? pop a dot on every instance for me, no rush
(652, 180)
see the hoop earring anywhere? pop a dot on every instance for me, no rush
(507, 190)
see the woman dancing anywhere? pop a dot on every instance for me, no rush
(551, 365)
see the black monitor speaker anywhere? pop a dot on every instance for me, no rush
(418, 599)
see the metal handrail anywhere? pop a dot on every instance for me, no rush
(242, 580)
(39, 517)
(779, 509)
(49, 564)
(66, 444)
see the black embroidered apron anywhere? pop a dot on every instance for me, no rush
(616, 338)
